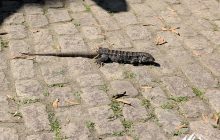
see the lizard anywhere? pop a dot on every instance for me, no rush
(105, 55)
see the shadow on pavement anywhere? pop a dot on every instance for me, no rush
(8, 7)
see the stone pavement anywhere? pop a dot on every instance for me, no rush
(46, 98)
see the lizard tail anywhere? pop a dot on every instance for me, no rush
(87, 55)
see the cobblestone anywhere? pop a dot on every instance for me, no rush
(182, 88)
(205, 130)
(8, 134)
(120, 86)
(28, 88)
(48, 136)
(16, 31)
(35, 117)
(195, 108)
(36, 21)
(136, 111)
(104, 126)
(56, 15)
(94, 97)
(178, 87)
(149, 130)
(213, 96)
(22, 69)
(169, 119)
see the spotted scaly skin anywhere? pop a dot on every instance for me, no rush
(105, 55)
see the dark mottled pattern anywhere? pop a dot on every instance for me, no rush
(105, 55)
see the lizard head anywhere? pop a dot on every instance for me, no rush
(147, 58)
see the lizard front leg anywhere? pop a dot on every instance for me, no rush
(102, 59)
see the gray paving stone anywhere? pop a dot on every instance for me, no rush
(149, 131)
(18, 46)
(125, 18)
(65, 29)
(76, 130)
(32, 9)
(105, 20)
(199, 45)
(36, 21)
(177, 86)
(77, 6)
(16, 18)
(42, 37)
(118, 40)
(94, 97)
(199, 76)
(22, 69)
(64, 94)
(79, 67)
(3, 82)
(156, 96)
(142, 75)
(54, 3)
(53, 74)
(212, 62)
(145, 46)
(213, 95)
(5, 110)
(120, 86)
(143, 10)
(137, 32)
(109, 70)
(92, 32)
(84, 19)
(108, 24)
(99, 115)
(195, 108)
(58, 15)
(3, 61)
(134, 112)
(181, 9)
(178, 53)
(168, 118)
(170, 17)
(16, 31)
(8, 134)
(43, 136)
(118, 138)
(28, 88)
(205, 130)
(212, 35)
(90, 80)
(70, 43)
(35, 117)
(157, 5)
(67, 115)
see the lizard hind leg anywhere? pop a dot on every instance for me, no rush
(135, 61)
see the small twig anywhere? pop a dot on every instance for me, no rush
(119, 95)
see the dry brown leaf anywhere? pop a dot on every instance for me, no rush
(171, 29)
(196, 53)
(123, 101)
(160, 40)
(215, 117)
(56, 103)
(72, 102)
(172, 10)
(129, 138)
(205, 118)
(181, 126)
